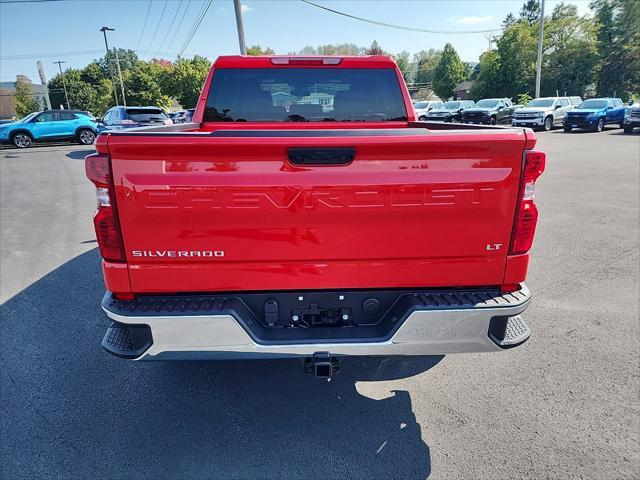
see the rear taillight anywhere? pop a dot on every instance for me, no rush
(527, 214)
(105, 220)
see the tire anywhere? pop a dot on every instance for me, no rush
(621, 124)
(492, 121)
(548, 124)
(21, 140)
(422, 118)
(628, 129)
(599, 126)
(567, 128)
(85, 136)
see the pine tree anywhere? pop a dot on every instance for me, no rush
(374, 49)
(449, 72)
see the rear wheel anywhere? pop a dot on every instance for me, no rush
(548, 124)
(567, 128)
(86, 136)
(422, 118)
(21, 140)
(600, 125)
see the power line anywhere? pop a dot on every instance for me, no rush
(400, 27)
(196, 26)
(194, 22)
(175, 15)
(54, 54)
(29, 1)
(145, 25)
(159, 22)
(179, 25)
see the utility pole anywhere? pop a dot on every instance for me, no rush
(124, 100)
(539, 59)
(489, 37)
(106, 44)
(64, 84)
(43, 80)
(238, 8)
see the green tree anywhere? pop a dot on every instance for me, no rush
(86, 91)
(448, 73)
(488, 75)
(530, 11)
(402, 60)
(24, 98)
(256, 50)
(127, 58)
(509, 20)
(374, 49)
(427, 61)
(185, 79)
(516, 50)
(524, 98)
(332, 49)
(143, 84)
(570, 52)
(618, 24)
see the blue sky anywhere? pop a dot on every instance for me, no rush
(69, 30)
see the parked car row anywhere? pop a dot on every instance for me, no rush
(450, 111)
(540, 113)
(80, 125)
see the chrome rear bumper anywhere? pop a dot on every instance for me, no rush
(475, 322)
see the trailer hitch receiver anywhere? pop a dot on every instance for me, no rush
(322, 365)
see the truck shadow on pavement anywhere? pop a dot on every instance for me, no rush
(79, 154)
(73, 411)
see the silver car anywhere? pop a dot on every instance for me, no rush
(542, 113)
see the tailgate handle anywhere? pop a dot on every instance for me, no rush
(321, 156)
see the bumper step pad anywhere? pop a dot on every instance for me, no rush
(127, 341)
(509, 332)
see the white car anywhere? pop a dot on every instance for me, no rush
(542, 113)
(422, 108)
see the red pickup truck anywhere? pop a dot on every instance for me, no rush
(305, 213)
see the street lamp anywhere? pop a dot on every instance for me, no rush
(64, 84)
(104, 31)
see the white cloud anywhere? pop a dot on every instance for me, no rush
(246, 8)
(471, 20)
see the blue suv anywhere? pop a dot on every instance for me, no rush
(51, 125)
(594, 114)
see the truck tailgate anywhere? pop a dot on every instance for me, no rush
(230, 211)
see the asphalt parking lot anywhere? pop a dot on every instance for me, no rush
(565, 405)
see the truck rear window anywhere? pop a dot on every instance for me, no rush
(146, 114)
(304, 95)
